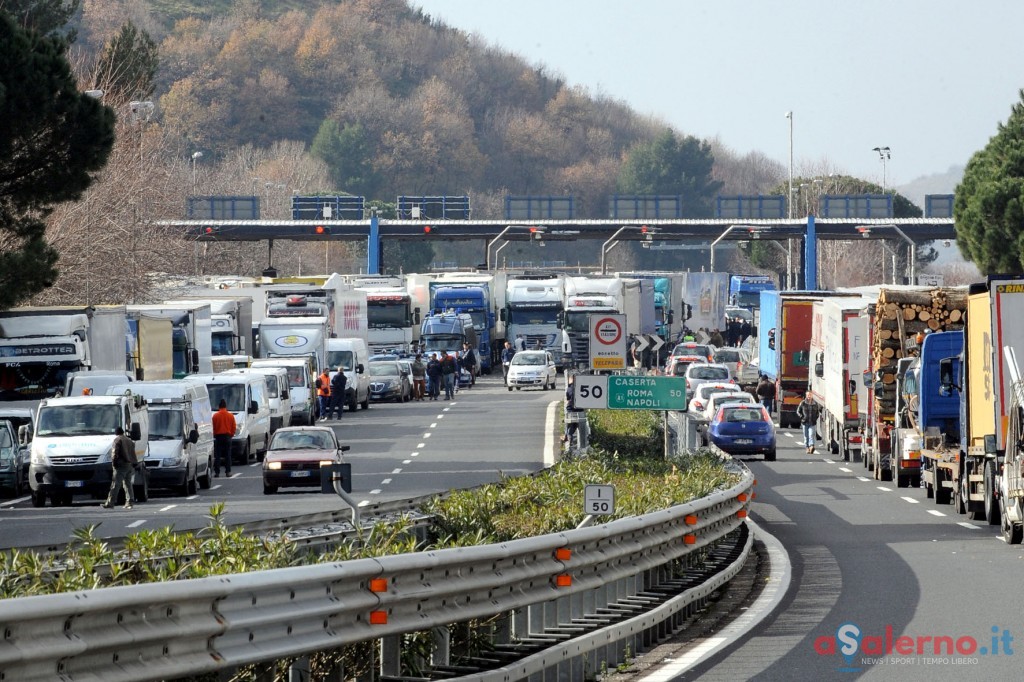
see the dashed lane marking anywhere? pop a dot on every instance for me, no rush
(10, 503)
(849, 471)
(375, 491)
(965, 524)
(427, 434)
(934, 512)
(136, 524)
(396, 471)
(421, 445)
(408, 461)
(434, 425)
(884, 489)
(861, 478)
(385, 481)
(911, 500)
(168, 507)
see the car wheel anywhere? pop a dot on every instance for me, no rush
(366, 403)
(518, 387)
(769, 456)
(38, 498)
(204, 480)
(183, 489)
(509, 389)
(269, 489)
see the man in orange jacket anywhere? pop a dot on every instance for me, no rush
(323, 393)
(223, 431)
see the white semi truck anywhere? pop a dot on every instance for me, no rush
(586, 296)
(532, 310)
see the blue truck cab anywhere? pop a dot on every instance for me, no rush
(745, 290)
(471, 299)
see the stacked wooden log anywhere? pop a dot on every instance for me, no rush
(901, 317)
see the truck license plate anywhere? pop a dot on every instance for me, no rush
(74, 484)
(300, 474)
(744, 441)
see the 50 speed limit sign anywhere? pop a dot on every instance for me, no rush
(591, 392)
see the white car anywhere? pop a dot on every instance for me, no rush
(531, 368)
(699, 402)
(716, 400)
(707, 373)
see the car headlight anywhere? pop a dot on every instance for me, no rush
(274, 466)
(326, 462)
(39, 458)
(238, 427)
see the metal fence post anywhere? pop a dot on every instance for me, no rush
(391, 655)
(298, 671)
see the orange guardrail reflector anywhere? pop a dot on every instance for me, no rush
(378, 584)
(378, 617)
(563, 553)
(742, 497)
(690, 519)
(690, 539)
(742, 513)
(753, 495)
(563, 580)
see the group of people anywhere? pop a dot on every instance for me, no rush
(331, 393)
(736, 332)
(443, 371)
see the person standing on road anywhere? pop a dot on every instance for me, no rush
(766, 393)
(223, 431)
(434, 374)
(469, 362)
(520, 343)
(323, 393)
(571, 412)
(337, 404)
(507, 353)
(419, 377)
(125, 462)
(807, 412)
(449, 371)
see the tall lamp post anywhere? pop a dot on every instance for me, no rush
(195, 157)
(884, 155)
(789, 115)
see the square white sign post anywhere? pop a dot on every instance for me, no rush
(599, 499)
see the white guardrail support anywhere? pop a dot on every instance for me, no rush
(165, 630)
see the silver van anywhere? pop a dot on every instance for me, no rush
(278, 393)
(353, 355)
(301, 388)
(177, 459)
(246, 396)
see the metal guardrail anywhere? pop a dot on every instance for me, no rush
(166, 630)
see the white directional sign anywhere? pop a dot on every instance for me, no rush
(591, 392)
(641, 343)
(607, 341)
(656, 342)
(599, 499)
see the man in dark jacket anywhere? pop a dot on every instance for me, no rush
(449, 369)
(124, 460)
(434, 375)
(338, 383)
(766, 393)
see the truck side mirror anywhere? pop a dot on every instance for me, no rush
(866, 378)
(879, 385)
(194, 361)
(360, 369)
(501, 315)
(671, 316)
(990, 444)
(285, 393)
(946, 377)
(852, 387)
(135, 432)
(416, 315)
(560, 319)
(253, 407)
(140, 374)
(24, 435)
(344, 448)
(819, 369)
(193, 436)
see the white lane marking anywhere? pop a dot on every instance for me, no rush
(934, 512)
(396, 471)
(861, 478)
(884, 489)
(215, 487)
(771, 596)
(828, 461)
(849, 471)
(911, 500)
(967, 525)
(136, 524)
(421, 445)
(787, 433)
(192, 497)
(254, 465)
(385, 481)
(446, 409)
(237, 475)
(168, 507)
(440, 416)
(363, 503)
(413, 454)
(375, 491)
(427, 434)
(9, 503)
(407, 461)
(434, 425)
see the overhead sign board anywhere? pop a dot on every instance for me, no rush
(590, 392)
(607, 341)
(646, 393)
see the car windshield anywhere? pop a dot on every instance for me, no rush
(165, 425)
(731, 397)
(742, 414)
(680, 368)
(341, 358)
(384, 369)
(691, 349)
(232, 394)
(528, 359)
(302, 440)
(78, 420)
(709, 373)
(727, 355)
(707, 389)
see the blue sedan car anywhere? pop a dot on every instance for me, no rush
(743, 430)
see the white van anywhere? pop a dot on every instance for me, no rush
(246, 396)
(278, 394)
(301, 387)
(353, 355)
(178, 459)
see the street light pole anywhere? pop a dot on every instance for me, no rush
(789, 115)
(195, 157)
(884, 154)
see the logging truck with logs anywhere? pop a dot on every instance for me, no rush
(898, 323)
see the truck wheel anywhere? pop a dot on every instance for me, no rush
(929, 490)
(1013, 533)
(183, 489)
(366, 403)
(991, 506)
(943, 495)
(193, 483)
(38, 498)
(353, 405)
(903, 481)
(204, 480)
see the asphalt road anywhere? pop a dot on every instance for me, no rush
(397, 451)
(880, 563)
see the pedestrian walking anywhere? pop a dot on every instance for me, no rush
(766, 393)
(434, 376)
(716, 339)
(520, 343)
(507, 353)
(419, 377)
(323, 393)
(468, 360)
(223, 431)
(338, 384)
(125, 462)
(449, 371)
(807, 412)
(571, 412)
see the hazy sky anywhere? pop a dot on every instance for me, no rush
(929, 79)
